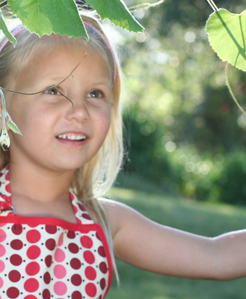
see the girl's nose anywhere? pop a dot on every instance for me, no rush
(78, 111)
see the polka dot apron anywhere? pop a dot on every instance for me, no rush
(48, 258)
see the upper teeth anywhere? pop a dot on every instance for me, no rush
(71, 136)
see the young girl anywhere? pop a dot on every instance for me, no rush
(58, 235)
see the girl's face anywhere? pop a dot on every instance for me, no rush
(56, 134)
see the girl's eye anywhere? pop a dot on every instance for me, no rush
(52, 91)
(95, 94)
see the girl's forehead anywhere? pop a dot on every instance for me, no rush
(73, 53)
(62, 62)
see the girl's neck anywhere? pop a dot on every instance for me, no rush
(38, 183)
(38, 192)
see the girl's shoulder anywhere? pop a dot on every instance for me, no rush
(115, 208)
(120, 215)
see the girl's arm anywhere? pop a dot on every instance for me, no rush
(157, 248)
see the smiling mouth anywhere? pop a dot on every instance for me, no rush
(71, 137)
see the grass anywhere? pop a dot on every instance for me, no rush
(197, 217)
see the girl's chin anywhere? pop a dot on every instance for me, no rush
(64, 165)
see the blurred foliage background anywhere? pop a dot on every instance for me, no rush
(182, 128)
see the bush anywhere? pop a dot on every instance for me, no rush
(194, 174)
(219, 178)
(201, 176)
(232, 181)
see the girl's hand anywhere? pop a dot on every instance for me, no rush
(157, 248)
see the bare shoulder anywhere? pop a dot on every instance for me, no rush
(116, 209)
(113, 206)
(118, 214)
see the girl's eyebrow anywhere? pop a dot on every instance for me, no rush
(102, 82)
(57, 79)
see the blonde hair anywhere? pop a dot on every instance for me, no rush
(95, 178)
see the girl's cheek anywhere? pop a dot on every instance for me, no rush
(106, 117)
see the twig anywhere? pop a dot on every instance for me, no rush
(144, 6)
(231, 92)
(212, 4)
(4, 3)
(46, 89)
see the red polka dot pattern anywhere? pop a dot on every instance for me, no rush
(33, 252)
(14, 276)
(52, 260)
(33, 236)
(13, 292)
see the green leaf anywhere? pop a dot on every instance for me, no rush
(117, 12)
(227, 36)
(5, 30)
(12, 125)
(49, 16)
